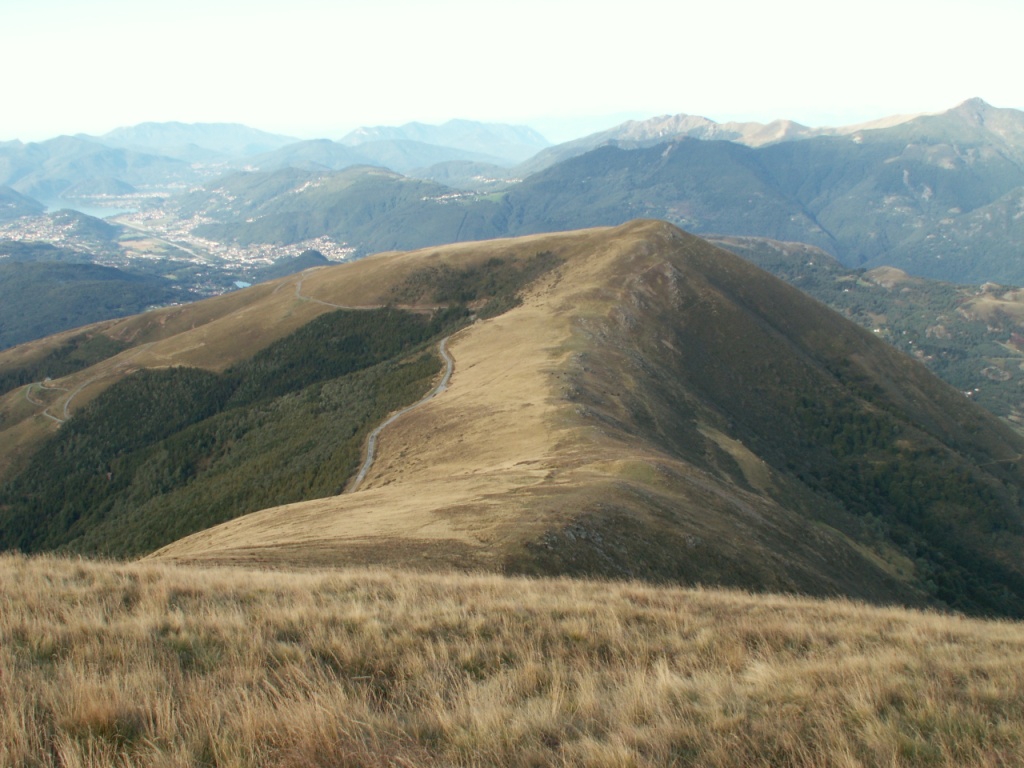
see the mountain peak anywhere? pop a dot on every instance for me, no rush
(975, 109)
(987, 123)
(975, 103)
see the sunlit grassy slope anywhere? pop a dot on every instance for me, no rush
(155, 665)
(658, 408)
(654, 408)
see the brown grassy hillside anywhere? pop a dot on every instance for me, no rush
(635, 418)
(655, 408)
(155, 665)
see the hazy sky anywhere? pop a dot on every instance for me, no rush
(312, 68)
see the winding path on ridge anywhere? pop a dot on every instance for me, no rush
(44, 406)
(65, 407)
(371, 443)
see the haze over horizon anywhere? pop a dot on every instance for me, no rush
(312, 69)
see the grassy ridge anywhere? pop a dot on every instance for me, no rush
(170, 451)
(494, 284)
(149, 665)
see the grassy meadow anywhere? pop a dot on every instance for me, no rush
(140, 664)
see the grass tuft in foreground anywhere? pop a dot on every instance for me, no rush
(154, 665)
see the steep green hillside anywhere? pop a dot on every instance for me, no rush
(369, 208)
(972, 337)
(168, 452)
(41, 298)
(699, 185)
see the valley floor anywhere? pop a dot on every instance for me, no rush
(148, 664)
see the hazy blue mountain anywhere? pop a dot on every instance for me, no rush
(937, 195)
(468, 175)
(101, 186)
(14, 205)
(917, 195)
(508, 143)
(408, 156)
(310, 155)
(195, 142)
(47, 170)
(973, 124)
(403, 156)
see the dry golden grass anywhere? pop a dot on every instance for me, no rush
(156, 665)
(995, 306)
(464, 469)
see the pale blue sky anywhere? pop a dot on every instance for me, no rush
(311, 68)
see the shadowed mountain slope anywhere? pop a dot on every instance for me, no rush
(40, 298)
(658, 408)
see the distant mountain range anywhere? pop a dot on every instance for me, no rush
(165, 156)
(194, 142)
(935, 195)
(68, 165)
(657, 130)
(505, 143)
(411, 148)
